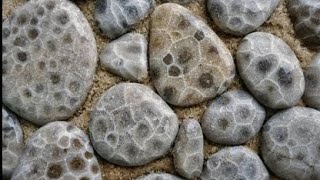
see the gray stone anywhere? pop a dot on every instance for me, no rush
(116, 17)
(188, 62)
(159, 176)
(290, 144)
(305, 15)
(182, 2)
(233, 118)
(127, 57)
(270, 70)
(188, 149)
(131, 125)
(12, 143)
(58, 150)
(312, 77)
(237, 162)
(49, 59)
(240, 17)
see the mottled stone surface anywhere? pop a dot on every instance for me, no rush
(182, 2)
(131, 125)
(188, 62)
(58, 150)
(240, 17)
(48, 60)
(116, 17)
(312, 77)
(127, 57)
(12, 142)
(236, 162)
(290, 143)
(233, 118)
(159, 176)
(305, 15)
(188, 149)
(270, 70)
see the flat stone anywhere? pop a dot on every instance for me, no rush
(116, 17)
(49, 60)
(290, 143)
(12, 143)
(131, 125)
(188, 62)
(237, 162)
(127, 57)
(58, 150)
(305, 15)
(182, 2)
(240, 17)
(270, 70)
(159, 176)
(233, 118)
(312, 77)
(188, 149)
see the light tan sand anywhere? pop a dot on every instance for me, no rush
(279, 24)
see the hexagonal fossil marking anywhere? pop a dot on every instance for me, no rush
(131, 11)
(40, 11)
(22, 19)
(74, 86)
(280, 134)
(27, 93)
(94, 169)
(5, 33)
(88, 155)
(77, 164)
(22, 56)
(169, 92)
(33, 34)
(206, 80)
(63, 18)
(311, 80)
(67, 38)
(174, 71)
(264, 65)
(168, 59)
(39, 88)
(199, 35)
(223, 100)
(236, 22)
(76, 143)
(223, 123)
(184, 55)
(245, 132)
(55, 78)
(50, 5)
(41, 65)
(183, 23)
(51, 46)
(34, 21)
(54, 171)
(20, 41)
(284, 77)
(142, 130)
(244, 112)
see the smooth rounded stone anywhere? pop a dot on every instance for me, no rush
(131, 125)
(237, 162)
(188, 149)
(290, 144)
(159, 176)
(305, 15)
(270, 70)
(116, 17)
(49, 59)
(312, 77)
(188, 62)
(58, 150)
(12, 143)
(127, 57)
(233, 118)
(240, 17)
(182, 2)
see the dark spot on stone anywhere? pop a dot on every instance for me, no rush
(124, 23)
(157, 145)
(212, 49)
(228, 169)
(40, 11)
(94, 169)
(223, 123)
(20, 41)
(236, 22)
(57, 30)
(22, 56)
(280, 134)
(264, 65)
(131, 11)
(101, 6)
(69, 128)
(15, 30)
(53, 64)
(84, 178)
(54, 171)
(22, 19)
(244, 112)
(285, 77)
(217, 10)
(51, 46)
(311, 80)
(183, 23)
(199, 35)
(112, 139)
(168, 59)
(67, 38)
(62, 109)
(27, 93)
(76, 143)
(73, 101)
(169, 92)
(39, 88)
(134, 49)
(33, 34)
(174, 71)
(50, 5)
(41, 65)
(223, 100)
(142, 130)
(184, 55)
(57, 96)
(55, 78)
(154, 73)
(245, 132)
(34, 21)
(88, 155)
(74, 86)
(270, 88)
(63, 18)
(132, 151)
(77, 164)
(5, 33)
(300, 156)
(206, 80)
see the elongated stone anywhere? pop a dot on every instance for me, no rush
(159, 176)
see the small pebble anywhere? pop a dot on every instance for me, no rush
(233, 118)
(127, 57)
(159, 176)
(290, 144)
(188, 149)
(270, 70)
(131, 125)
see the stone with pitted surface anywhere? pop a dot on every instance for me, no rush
(233, 118)
(236, 162)
(127, 57)
(188, 62)
(188, 149)
(12, 143)
(240, 17)
(116, 17)
(131, 125)
(182, 2)
(270, 70)
(290, 143)
(48, 60)
(58, 150)
(159, 176)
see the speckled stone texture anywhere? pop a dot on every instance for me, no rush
(312, 77)
(305, 15)
(12, 143)
(233, 118)
(127, 57)
(240, 17)
(159, 176)
(270, 70)
(58, 150)
(236, 162)
(188, 62)
(188, 149)
(131, 125)
(290, 144)
(48, 60)
(116, 17)
(182, 2)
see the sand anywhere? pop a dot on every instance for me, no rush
(279, 24)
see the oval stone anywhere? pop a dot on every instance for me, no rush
(188, 62)
(159, 176)
(49, 62)
(182, 2)
(270, 70)
(131, 125)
